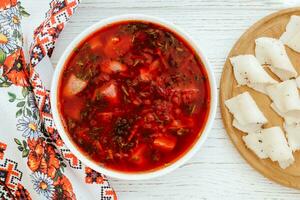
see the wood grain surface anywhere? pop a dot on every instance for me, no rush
(270, 26)
(217, 171)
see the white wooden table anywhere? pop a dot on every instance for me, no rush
(217, 171)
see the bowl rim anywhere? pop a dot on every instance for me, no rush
(129, 175)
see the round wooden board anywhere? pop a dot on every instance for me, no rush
(271, 26)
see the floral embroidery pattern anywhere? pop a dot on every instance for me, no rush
(40, 144)
(7, 42)
(14, 18)
(47, 167)
(2, 149)
(21, 193)
(4, 82)
(93, 176)
(42, 157)
(9, 177)
(14, 69)
(29, 127)
(43, 184)
(10, 33)
(7, 4)
(50, 29)
(45, 37)
(26, 106)
(11, 55)
(63, 189)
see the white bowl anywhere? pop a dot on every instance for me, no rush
(74, 149)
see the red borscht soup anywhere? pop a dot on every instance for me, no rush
(134, 96)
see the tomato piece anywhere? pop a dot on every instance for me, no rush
(147, 74)
(165, 143)
(96, 44)
(111, 66)
(189, 95)
(118, 46)
(74, 86)
(73, 108)
(148, 58)
(176, 124)
(154, 65)
(83, 134)
(105, 116)
(185, 93)
(98, 145)
(138, 155)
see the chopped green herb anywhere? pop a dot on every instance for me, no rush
(94, 57)
(136, 62)
(157, 119)
(99, 96)
(95, 132)
(193, 108)
(179, 49)
(84, 114)
(80, 63)
(182, 131)
(124, 90)
(76, 50)
(94, 129)
(155, 157)
(71, 123)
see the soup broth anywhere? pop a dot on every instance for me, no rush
(134, 96)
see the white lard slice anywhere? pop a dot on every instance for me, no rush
(298, 82)
(248, 71)
(247, 116)
(291, 37)
(254, 142)
(270, 143)
(285, 96)
(293, 135)
(292, 117)
(248, 128)
(271, 52)
(276, 146)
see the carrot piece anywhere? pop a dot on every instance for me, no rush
(74, 107)
(138, 155)
(118, 46)
(98, 145)
(186, 62)
(154, 65)
(163, 60)
(145, 75)
(165, 143)
(105, 116)
(132, 134)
